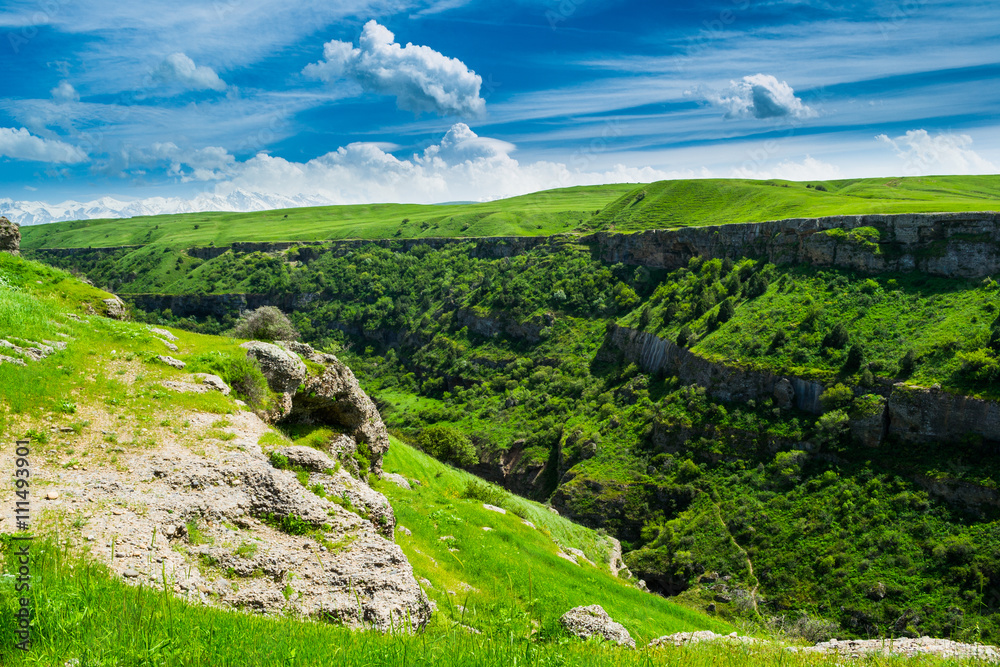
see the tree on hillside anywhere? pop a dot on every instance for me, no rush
(267, 323)
(448, 444)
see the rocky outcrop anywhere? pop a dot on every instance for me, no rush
(284, 372)
(724, 382)
(222, 526)
(511, 469)
(919, 414)
(593, 621)
(10, 237)
(334, 397)
(115, 308)
(906, 647)
(940, 244)
(337, 483)
(907, 413)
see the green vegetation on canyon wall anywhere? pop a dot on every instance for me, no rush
(776, 420)
(520, 355)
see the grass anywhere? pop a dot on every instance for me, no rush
(548, 212)
(660, 205)
(83, 614)
(684, 203)
(514, 562)
(106, 363)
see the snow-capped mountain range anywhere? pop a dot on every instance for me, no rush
(37, 213)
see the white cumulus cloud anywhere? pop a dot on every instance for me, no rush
(461, 167)
(420, 78)
(178, 69)
(22, 145)
(211, 163)
(944, 153)
(65, 92)
(760, 96)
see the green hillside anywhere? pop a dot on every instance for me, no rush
(549, 212)
(668, 204)
(660, 205)
(508, 583)
(515, 355)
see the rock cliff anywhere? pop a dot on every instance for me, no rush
(10, 236)
(909, 414)
(941, 244)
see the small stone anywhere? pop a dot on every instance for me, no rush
(130, 574)
(404, 530)
(52, 495)
(163, 333)
(487, 528)
(170, 361)
(494, 508)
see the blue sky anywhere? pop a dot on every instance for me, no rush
(443, 100)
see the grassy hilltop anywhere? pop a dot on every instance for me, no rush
(661, 205)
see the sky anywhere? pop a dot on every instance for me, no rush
(353, 101)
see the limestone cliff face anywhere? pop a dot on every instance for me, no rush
(918, 414)
(727, 383)
(965, 245)
(909, 413)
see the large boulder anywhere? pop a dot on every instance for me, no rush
(586, 622)
(284, 370)
(116, 308)
(335, 398)
(10, 236)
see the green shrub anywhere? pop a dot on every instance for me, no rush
(837, 338)
(239, 372)
(448, 444)
(726, 311)
(979, 365)
(485, 492)
(855, 358)
(908, 363)
(837, 397)
(266, 323)
(279, 461)
(684, 336)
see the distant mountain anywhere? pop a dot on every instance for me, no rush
(38, 213)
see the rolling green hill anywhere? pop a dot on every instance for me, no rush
(669, 204)
(549, 212)
(581, 209)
